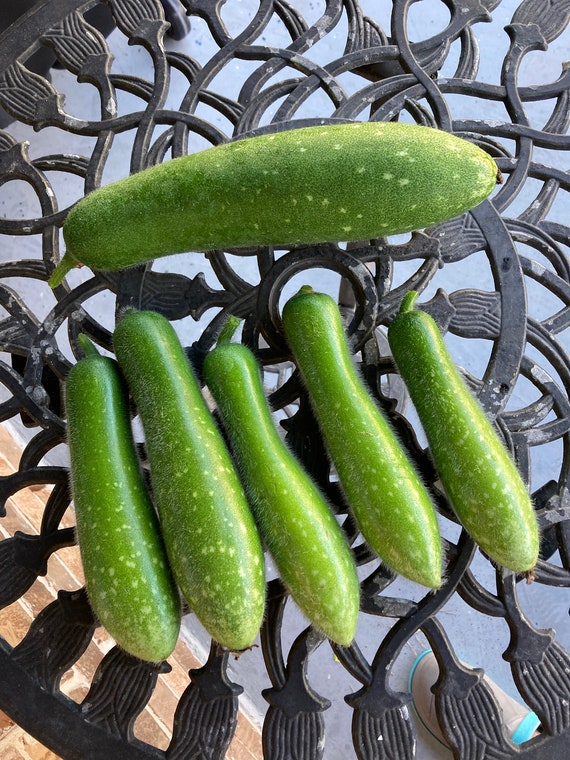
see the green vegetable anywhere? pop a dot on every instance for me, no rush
(210, 535)
(127, 576)
(310, 185)
(310, 551)
(389, 502)
(480, 479)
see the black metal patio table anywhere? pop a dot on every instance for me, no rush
(497, 277)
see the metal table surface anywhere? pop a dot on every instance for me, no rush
(497, 280)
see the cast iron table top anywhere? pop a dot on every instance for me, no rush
(515, 301)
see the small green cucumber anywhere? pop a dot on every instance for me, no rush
(127, 576)
(210, 535)
(477, 473)
(390, 504)
(316, 184)
(305, 540)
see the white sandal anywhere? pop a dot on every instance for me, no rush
(521, 724)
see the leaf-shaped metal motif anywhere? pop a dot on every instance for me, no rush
(206, 716)
(22, 92)
(540, 665)
(548, 17)
(547, 686)
(304, 731)
(7, 142)
(121, 688)
(23, 558)
(389, 736)
(477, 313)
(469, 715)
(295, 718)
(57, 638)
(15, 579)
(459, 238)
(173, 295)
(382, 728)
(75, 41)
(130, 16)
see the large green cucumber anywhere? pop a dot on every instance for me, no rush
(127, 576)
(310, 551)
(389, 502)
(479, 476)
(328, 183)
(210, 535)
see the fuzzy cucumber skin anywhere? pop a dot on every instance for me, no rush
(388, 500)
(211, 539)
(127, 576)
(319, 184)
(310, 551)
(479, 476)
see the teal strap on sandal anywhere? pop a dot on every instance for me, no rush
(526, 729)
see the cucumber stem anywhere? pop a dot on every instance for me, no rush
(67, 263)
(408, 301)
(89, 348)
(227, 332)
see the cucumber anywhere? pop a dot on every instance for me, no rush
(210, 535)
(389, 502)
(477, 473)
(305, 540)
(317, 184)
(127, 576)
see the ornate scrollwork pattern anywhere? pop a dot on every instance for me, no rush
(259, 67)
